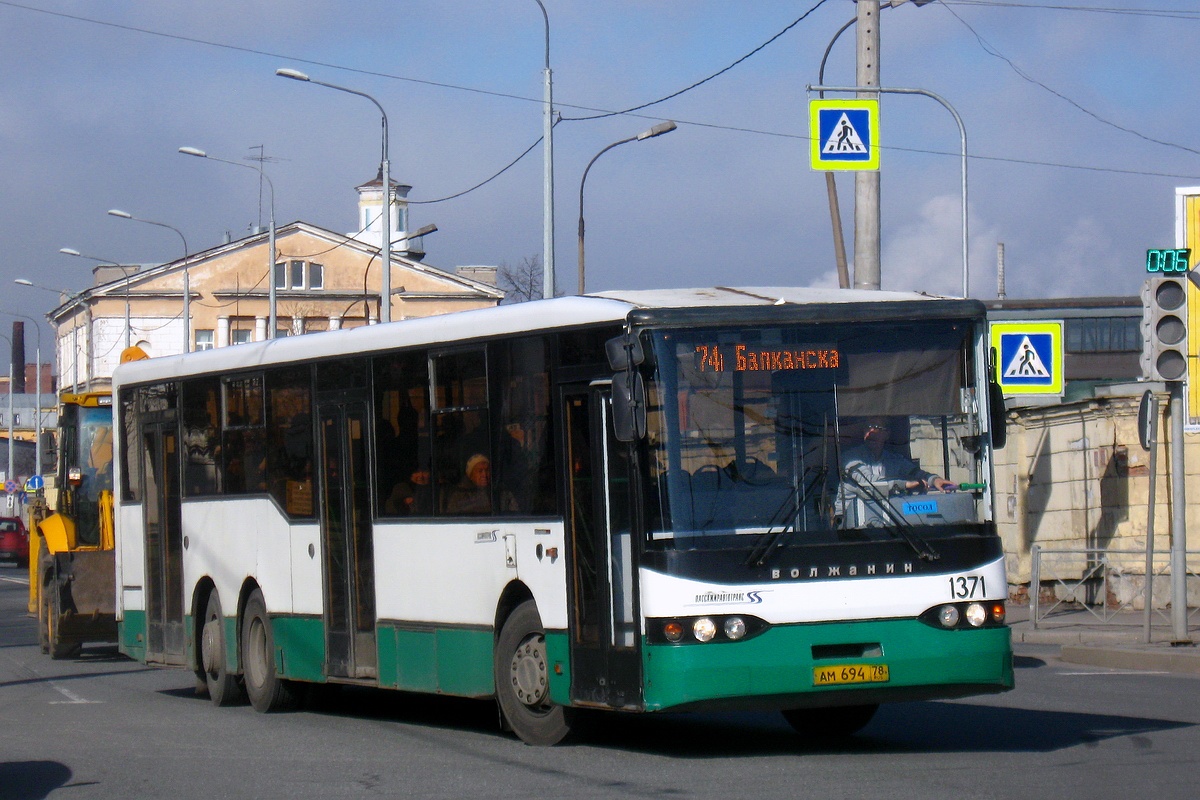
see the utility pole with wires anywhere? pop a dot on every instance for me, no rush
(866, 182)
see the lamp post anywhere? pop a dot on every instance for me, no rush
(74, 348)
(657, 130)
(70, 251)
(385, 310)
(547, 169)
(37, 416)
(187, 289)
(271, 301)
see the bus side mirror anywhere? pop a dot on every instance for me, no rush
(629, 406)
(624, 352)
(996, 420)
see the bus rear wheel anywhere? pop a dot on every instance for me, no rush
(267, 691)
(836, 722)
(223, 686)
(523, 680)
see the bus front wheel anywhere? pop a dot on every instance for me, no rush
(523, 680)
(223, 686)
(837, 721)
(267, 691)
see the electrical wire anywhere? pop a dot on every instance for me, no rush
(1164, 13)
(716, 74)
(994, 52)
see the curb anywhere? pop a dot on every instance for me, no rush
(1184, 660)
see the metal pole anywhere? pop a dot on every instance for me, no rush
(1149, 592)
(866, 182)
(1178, 520)
(962, 134)
(547, 168)
(10, 475)
(835, 213)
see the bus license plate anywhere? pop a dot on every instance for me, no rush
(850, 673)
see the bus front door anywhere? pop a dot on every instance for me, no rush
(161, 488)
(605, 656)
(346, 541)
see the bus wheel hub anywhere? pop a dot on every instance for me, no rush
(529, 671)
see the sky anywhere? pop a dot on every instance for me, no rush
(1080, 117)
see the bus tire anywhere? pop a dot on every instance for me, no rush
(224, 688)
(836, 721)
(522, 680)
(266, 690)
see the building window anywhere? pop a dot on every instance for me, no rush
(299, 275)
(1104, 335)
(204, 340)
(240, 336)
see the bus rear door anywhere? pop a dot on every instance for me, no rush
(165, 639)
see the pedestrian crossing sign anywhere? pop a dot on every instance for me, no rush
(844, 134)
(1029, 356)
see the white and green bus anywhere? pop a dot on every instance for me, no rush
(632, 501)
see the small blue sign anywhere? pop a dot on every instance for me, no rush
(35, 483)
(919, 507)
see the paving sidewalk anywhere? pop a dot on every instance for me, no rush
(1118, 643)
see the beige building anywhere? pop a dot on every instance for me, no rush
(323, 281)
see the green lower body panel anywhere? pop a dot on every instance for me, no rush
(776, 668)
(131, 635)
(299, 647)
(456, 661)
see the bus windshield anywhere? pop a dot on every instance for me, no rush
(827, 432)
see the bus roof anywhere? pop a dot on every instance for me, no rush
(541, 315)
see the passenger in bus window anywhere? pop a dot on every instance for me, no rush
(873, 460)
(473, 494)
(412, 497)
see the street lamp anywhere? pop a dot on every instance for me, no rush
(71, 296)
(547, 169)
(70, 251)
(271, 322)
(385, 311)
(187, 289)
(657, 130)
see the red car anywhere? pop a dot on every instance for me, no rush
(14, 541)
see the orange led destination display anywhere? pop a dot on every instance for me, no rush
(715, 358)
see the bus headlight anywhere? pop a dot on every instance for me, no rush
(704, 629)
(735, 628)
(673, 631)
(948, 616)
(976, 614)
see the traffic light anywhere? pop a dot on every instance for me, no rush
(1164, 328)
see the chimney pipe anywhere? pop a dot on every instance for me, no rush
(18, 358)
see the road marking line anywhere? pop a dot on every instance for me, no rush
(72, 698)
(1117, 672)
(21, 581)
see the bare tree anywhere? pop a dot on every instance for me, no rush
(522, 282)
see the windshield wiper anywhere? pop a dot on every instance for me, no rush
(772, 539)
(900, 527)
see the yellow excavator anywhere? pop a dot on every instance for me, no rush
(72, 571)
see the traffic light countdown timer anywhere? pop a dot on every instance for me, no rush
(1164, 315)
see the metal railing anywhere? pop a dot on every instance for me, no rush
(1094, 585)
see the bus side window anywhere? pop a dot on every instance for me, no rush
(290, 440)
(523, 470)
(461, 433)
(402, 447)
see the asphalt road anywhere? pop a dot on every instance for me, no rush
(105, 727)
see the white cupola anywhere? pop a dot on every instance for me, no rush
(370, 212)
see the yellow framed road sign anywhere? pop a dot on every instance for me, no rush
(844, 134)
(1029, 356)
